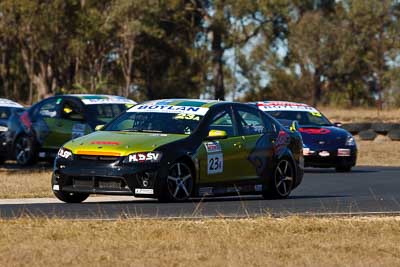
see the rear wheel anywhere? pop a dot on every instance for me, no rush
(24, 149)
(283, 180)
(179, 184)
(68, 197)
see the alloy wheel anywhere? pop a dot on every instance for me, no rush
(284, 178)
(22, 150)
(180, 181)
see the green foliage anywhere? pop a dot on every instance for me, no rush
(318, 51)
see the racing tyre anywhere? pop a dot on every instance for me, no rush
(283, 180)
(25, 152)
(69, 197)
(394, 135)
(368, 135)
(179, 184)
(343, 168)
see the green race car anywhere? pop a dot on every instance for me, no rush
(43, 128)
(180, 148)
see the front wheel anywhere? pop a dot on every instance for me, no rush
(179, 184)
(281, 184)
(25, 150)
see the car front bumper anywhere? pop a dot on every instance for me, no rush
(330, 158)
(111, 178)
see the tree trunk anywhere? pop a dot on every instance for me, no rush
(218, 66)
(317, 88)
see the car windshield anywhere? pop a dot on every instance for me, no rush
(156, 122)
(104, 113)
(304, 118)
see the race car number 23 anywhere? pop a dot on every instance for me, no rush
(215, 163)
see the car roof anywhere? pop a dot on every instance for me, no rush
(185, 102)
(9, 103)
(89, 99)
(187, 106)
(284, 106)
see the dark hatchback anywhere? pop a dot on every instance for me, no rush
(325, 144)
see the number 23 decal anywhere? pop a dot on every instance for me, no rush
(215, 163)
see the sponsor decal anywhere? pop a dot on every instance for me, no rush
(144, 191)
(287, 106)
(145, 157)
(26, 121)
(343, 152)
(315, 130)
(78, 130)
(215, 163)
(205, 191)
(281, 142)
(169, 109)
(213, 147)
(109, 143)
(107, 100)
(324, 154)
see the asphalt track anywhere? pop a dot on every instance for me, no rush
(364, 191)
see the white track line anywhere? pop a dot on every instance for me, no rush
(50, 200)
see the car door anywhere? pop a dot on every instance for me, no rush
(258, 142)
(44, 119)
(221, 159)
(71, 123)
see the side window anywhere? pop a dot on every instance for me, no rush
(70, 110)
(49, 109)
(250, 122)
(223, 121)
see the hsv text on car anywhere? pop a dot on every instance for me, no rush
(325, 144)
(43, 128)
(176, 149)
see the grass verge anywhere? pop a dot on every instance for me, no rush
(361, 115)
(220, 242)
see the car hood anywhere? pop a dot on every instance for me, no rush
(324, 136)
(106, 143)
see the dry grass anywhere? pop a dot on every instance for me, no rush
(380, 152)
(24, 183)
(361, 115)
(247, 242)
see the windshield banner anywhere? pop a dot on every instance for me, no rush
(169, 109)
(281, 105)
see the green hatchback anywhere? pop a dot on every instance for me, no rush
(176, 149)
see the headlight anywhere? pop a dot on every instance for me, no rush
(3, 129)
(65, 153)
(350, 141)
(141, 157)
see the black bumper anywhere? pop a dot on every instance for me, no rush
(333, 160)
(110, 178)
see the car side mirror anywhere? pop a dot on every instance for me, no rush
(99, 127)
(216, 134)
(338, 124)
(294, 126)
